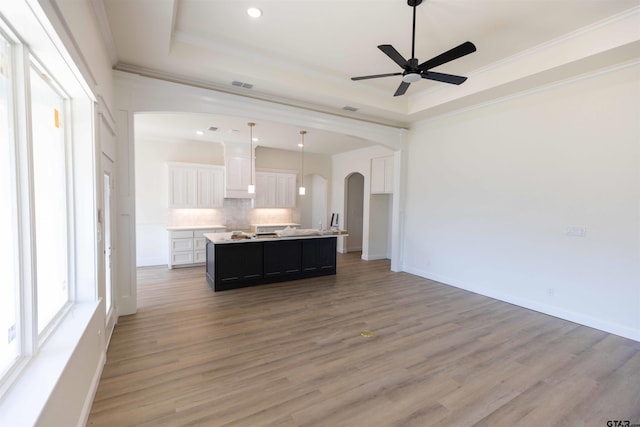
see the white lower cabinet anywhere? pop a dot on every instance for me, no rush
(189, 247)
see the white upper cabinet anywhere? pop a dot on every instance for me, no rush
(275, 190)
(182, 186)
(238, 166)
(210, 187)
(382, 175)
(195, 186)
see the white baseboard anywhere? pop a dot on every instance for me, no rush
(95, 381)
(150, 262)
(369, 257)
(572, 316)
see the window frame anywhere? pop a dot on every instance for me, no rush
(80, 298)
(15, 215)
(34, 64)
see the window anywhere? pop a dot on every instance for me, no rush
(49, 259)
(9, 302)
(40, 169)
(50, 196)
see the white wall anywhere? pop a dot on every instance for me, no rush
(271, 158)
(344, 165)
(319, 198)
(491, 191)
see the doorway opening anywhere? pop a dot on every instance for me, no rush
(354, 195)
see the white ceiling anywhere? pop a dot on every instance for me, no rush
(303, 52)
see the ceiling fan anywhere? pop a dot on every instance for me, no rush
(413, 70)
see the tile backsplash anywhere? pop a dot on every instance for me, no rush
(237, 214)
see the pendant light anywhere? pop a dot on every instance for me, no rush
(302, 190)
(251, 188)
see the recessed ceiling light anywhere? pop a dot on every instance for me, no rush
(255, 139)
(254, 12)
(300, 145)
(199, 132)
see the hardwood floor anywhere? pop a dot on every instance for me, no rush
(292, 354)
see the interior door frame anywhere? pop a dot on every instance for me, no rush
(107, 218)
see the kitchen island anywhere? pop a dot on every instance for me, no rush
(247, 260)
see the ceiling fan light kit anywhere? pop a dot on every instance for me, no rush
(413, 69)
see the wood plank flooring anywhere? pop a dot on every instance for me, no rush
(291, 354)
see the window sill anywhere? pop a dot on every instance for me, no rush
(25, 400)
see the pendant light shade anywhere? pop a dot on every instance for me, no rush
(301, 190)
(251, 188)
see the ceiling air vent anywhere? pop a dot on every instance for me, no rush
(213, 128)
(242, 84)
(349, 108)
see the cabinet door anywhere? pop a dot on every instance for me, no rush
(319, 255)
(382, 175)
(388, 174)
(262, 190)
(199, 256)
(182, 187)
(265, 190)
(235, 262)
(238, 173)
(282, 258)
(210, 187)
(285, 190)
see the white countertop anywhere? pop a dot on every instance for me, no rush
(196, 227)
(225, 238)
(277, 224)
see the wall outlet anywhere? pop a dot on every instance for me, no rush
(551, 292)
(576, 231)
(11, 333)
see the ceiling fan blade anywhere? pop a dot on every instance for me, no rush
(375, 76)
(402, 89)
(446, 78)
(455, 53)
(392, 53)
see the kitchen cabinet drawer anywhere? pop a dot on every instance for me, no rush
(181, 245)
(188, 247)
(179, 258)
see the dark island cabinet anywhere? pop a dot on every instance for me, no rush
(282, 258)
(319, 255)
(237, 265)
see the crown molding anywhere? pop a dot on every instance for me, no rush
(105, 29)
